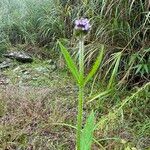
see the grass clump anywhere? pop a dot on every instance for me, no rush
(119, 25)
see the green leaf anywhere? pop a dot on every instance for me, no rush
(139, 67)
(146, 68)
(114, 72)
(100, 95)
(69, 61)
(87, 134)
(96, 65)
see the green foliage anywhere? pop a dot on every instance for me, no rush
(116, 62)
(70, 63)
(143, 66)
(96, 65)
(83, 140)
(99, 95)
(39, 102)
(87, 133)
(121, 25)
(28, 21)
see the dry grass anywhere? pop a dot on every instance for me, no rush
(30, 110)
(27, 116)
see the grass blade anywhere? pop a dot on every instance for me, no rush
(69, 61)
(96, 65)
(102, 94)
(114, 72)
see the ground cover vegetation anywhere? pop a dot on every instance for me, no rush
(38, 105)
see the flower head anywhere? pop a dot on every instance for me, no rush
(82, 25)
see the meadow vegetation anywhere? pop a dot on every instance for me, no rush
(38, 106)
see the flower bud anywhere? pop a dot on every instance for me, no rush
(82, 26)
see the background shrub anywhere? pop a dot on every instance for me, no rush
(119, 25)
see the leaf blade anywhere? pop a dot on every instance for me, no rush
(114, 72)
(102, 95)
(87, 134)
(95, 66)
(71, 65)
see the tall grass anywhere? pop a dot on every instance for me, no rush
(120, 25)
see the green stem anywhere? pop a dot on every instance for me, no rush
(81, 91)
(81, 58)
(80, 116)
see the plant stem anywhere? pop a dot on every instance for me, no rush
(81, 91)
(79, 117)
(81, 59)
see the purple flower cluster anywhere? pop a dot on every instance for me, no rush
(82, 24)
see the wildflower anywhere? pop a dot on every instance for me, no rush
(82, 26)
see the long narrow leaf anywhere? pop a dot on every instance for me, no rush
(96, 65)
(114, 72)
(87, 134)
(69, 61)
(100, 95)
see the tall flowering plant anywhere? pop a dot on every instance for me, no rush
(83, 136)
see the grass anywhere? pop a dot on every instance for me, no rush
(38, 102)
(29, 107)
(32, 115)
(119, 25)
(30, 125)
